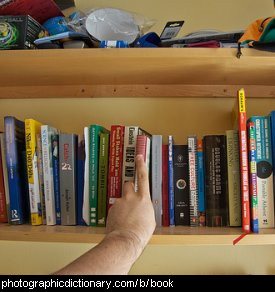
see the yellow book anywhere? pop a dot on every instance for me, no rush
(32, 129)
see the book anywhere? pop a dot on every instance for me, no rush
(115, 164)
(32, 128)
(193, 181)
(263, 157)
(244, 166)
(3, 205)
(68, 174)
(165, 199)
(156, 171)
(201, 190)
(216, 192)
(181, 185)
(103, 178)
(86, 190)
(171, 180)
(94, 131)
(234, 180)
(47, 134)
(80, 179)
(253, 177)
(17, 170)
(143, 147)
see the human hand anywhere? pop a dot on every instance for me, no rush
(132, 215)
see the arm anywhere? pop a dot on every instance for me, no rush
(130, 225)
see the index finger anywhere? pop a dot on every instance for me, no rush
(142, 176)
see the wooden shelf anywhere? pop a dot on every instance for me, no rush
(163, 72)
(162, 236)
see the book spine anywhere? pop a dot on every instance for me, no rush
(253, 177)
(171, 181)
(201, 191)
(143, 148)
(193, 182)
(46, 134)
(67, 150)
(3, 206)
(56, 176)
(244, 161)
(234, 180)
(181, 185)
(103, 178)
(86, 195)
(115, 164)
(165, 199)
(31, 129)
(80, 179)
(157, 177)
(5, 174)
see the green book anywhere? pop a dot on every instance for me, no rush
(103, 178)
(95, 131)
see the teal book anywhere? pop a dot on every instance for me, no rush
(95, 131)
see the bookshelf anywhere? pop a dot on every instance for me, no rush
(164, 85)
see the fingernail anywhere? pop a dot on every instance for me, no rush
(139, 157)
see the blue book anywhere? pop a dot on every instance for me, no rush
(17, 172)
(56, 178)
(201, 184)
(171, 180)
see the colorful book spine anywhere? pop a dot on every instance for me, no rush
(103, 178)
(157, 177)
(264, 171)
(16, 166)
(193, 181)
(201, 185)
(244, 166)
(32, 128)
(143, 147)
(115, 163)
(46, 135)
(234, 180)
(3, 206)
(86, 193)
(80, 179)
(95, 131)
(165, 198)
(253, 177)
(5, 174)
(56, 176)
(171, 181)
(68, 172)
(216, 188)
(181, 185)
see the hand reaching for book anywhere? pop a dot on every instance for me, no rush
(132, 216)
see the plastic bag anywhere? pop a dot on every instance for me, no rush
(110, 24)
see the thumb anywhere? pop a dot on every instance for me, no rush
(142, 176)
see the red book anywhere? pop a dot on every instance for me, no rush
(40, 10)
(3, 206)
(115, 164)
(165, 201)
(244, 166)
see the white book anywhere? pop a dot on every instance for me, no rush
(86, 193)
(46, 135)
(157, 177)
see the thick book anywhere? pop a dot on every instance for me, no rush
(265, 190)
(143, 147)
(68, 174)
(216, 193)
(181, 185)
(32, 128)
(244, 166)
(3, 205)
(47, 133)
(253, 177)
(234, 180)
(165, 197)
(103, 178)
(94, 131)
(17, 170)
(193, 181)
(171, 180)
(115, 163)
(156, 172)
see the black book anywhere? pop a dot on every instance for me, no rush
(216, 191)
(181, 185)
